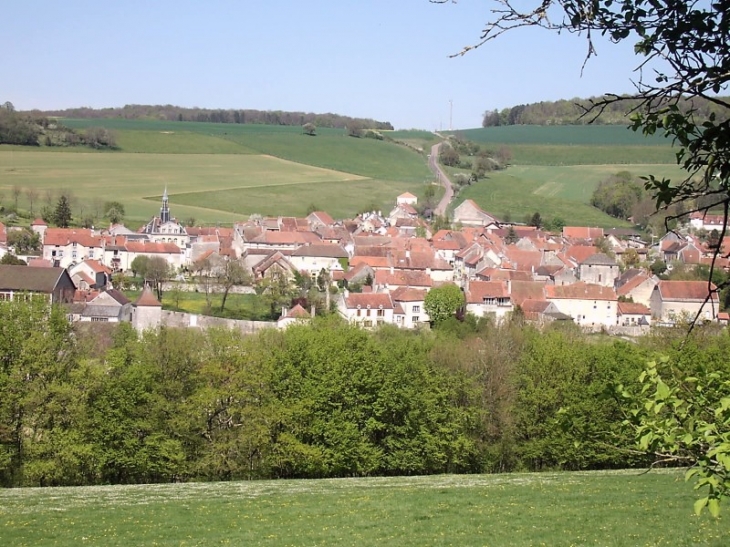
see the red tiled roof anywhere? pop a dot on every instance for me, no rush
(582, 232)
(685, 290)
(152, 247)
(408, 294)
(527, 290)
(369, 300)
(631, 284)
(632, 308)
(580, 291)
(66, 236)
(147, 299)
(410, 278)
(580, 253)
(479, 290)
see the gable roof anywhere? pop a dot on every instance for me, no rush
(696, 291)
(599, 259)
(479, 290)
(30, 278)
(580, 291)
(369, 300)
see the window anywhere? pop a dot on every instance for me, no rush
(415, 319)
(359, 312)
(99, 319)
(381, 313)
(367, 323)
(489, 301)
(368, 312)
(4, 296)
(416, 309)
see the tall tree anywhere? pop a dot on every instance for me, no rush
(32, 194)
(62, 212)
(232, 274)
(158, 271)
(443, 302)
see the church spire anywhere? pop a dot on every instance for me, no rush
(165, 209)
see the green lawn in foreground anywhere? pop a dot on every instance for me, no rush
(563, 191)
(623, 509)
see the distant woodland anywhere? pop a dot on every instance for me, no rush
(570, 112)
(246, 116)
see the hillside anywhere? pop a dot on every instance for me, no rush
(571, 112)
(219, 172)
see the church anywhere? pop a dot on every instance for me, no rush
(165, 228)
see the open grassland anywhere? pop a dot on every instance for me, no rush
(623, 509)
(330, 148)
(595, 135)
(137, 180)
(553, 191)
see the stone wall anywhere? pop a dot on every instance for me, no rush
(180, 319)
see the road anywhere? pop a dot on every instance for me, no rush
(444, 181)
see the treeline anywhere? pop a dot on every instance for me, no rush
(327, 400)
(570, 112)
(34, 129)
(243, 116)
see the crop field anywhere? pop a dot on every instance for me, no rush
(566, 135)
(214, 187)
(622, 509)
(554, 191)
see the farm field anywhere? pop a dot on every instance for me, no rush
(138, 180)
(622, 508)
(554, 191)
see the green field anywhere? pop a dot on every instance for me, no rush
(621, 508)
(225, 172)
(553, 191)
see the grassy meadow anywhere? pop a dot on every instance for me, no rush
(225, 172)
(554, 191)
(623, 508)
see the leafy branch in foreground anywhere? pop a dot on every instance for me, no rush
(685, 420)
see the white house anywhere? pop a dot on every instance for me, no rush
(675, 300)
(489, 298)
(593, 306)
(409, 311)
(367, 309)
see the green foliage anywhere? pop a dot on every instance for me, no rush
(443, 302)
(62, 213)
(682, 417)
(24, 241)
(618, 195)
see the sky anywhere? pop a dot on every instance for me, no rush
(382, 59)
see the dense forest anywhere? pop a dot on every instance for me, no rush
(178, 113)
(571, 112)
(105, 406)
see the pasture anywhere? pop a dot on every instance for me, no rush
(554, 191)
(622, 508)
(214, 187)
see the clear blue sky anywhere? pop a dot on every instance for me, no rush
(381, 59)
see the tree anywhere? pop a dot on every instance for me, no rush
(24, 241)
(309, 129)
(232, 274)
(511, 236)
(114, 211)
(16, 191)
(443, 302)
(689, 41)
(536, 220)
(355, 128)
(11, 260)
(32, 194)
(139, 265)
(158, 271)
(62, 212)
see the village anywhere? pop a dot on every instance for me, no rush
(378, 268)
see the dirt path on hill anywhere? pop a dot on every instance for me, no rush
(444, 181)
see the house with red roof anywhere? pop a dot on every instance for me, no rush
(672, 301)
(631, 314)
(485, 298)
(367, 310)
(409, 311)
(67, 246)
(590, 306)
